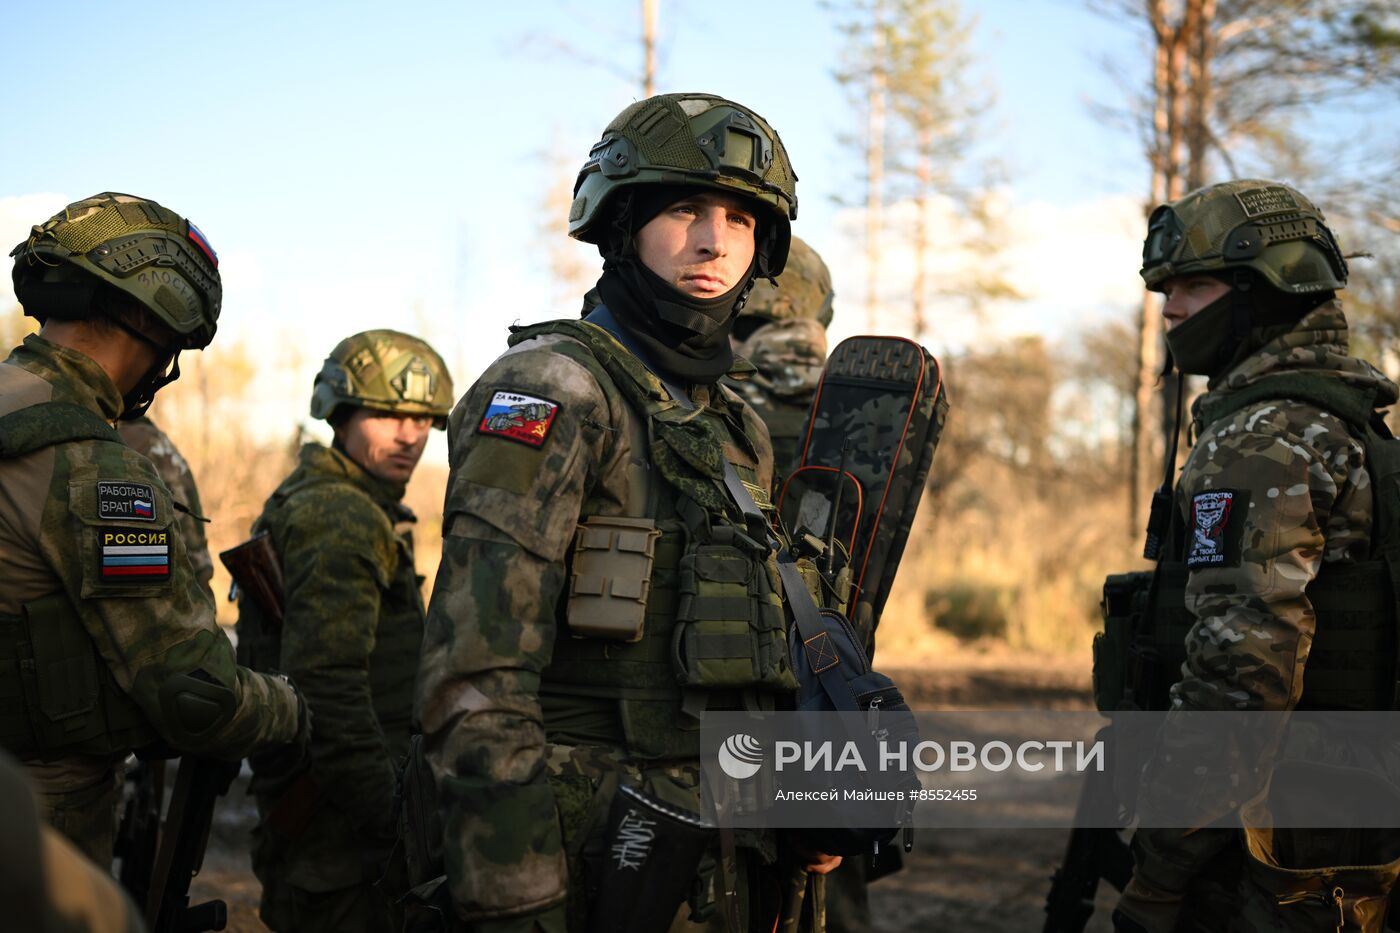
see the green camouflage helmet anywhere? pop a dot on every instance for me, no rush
(803, 292)
(1244, 224)
(132, 244)
(688, 139)
(385, 370)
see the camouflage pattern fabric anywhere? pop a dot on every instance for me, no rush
(513, 799)
(350, 636)
(46, 884)
(145, 437)
(789, 355)
(145, 633)
(1269, 494)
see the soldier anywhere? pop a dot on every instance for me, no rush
(350, 633)
(99, 600)
(1272, 516)
(540, 691)
(782, 332)
(146, 438)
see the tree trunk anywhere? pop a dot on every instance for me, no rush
(919, 323)
(649, 47)
(875, 163)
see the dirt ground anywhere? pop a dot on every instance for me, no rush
(970, 881)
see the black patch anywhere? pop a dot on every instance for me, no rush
(1215, 528)
(126, 502)
(133, 556)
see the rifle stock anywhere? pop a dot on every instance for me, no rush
(257, 572)
(139, 832)
(198, 784)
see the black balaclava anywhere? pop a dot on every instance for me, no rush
(686, 336)
(1220, 336)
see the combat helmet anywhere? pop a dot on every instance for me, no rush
(385, 370)
(1247, 224)
(803, 292)
(128, 243)
(689, 139)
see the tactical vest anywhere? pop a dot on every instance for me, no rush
(393, 664)
(1353, 660)
(58, 698)
(713, 630)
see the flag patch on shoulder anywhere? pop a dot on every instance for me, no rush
(522, 418)
(130, 556)
(125, 502)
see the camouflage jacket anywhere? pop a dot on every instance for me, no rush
(515, 498)
(146, 631)
(350, 636)
(1268, 495)
(146, 438)
(1287, 486)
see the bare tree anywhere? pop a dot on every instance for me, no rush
(649, 47)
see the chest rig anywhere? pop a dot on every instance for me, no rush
(712, 629)
(1353, 660)
(393, 663)
(57, 696)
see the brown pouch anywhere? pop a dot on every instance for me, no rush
(611, 577)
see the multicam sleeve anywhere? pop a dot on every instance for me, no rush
(1261, 501)
(138, 599)
(523, 442)
(337, 551)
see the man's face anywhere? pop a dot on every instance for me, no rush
(1187, 294)
(702, 245)
(388, 445)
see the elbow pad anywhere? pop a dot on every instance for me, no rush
(195, 706)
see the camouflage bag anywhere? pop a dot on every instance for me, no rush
(877, 418)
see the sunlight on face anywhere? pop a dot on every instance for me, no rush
(1187, 294)
(701, 245)
(387, 444)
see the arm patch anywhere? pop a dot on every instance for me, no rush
(1216, 528)
(525, 419)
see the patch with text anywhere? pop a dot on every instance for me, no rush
(522, 418)
(1217, 522)
(126, 502)
(131, 556)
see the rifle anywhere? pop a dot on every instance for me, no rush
(198, 784)
(256, 571)
(139, 832)
(1093, 853)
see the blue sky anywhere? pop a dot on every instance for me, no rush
(360, 165)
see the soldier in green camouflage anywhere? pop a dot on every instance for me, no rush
(146, 438)
(595, 593)
(107, 641)
(1273, 503)
(782, 332)
(350, 634)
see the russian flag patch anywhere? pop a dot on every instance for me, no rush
(135, 556)
(200, 240)
(522, 418)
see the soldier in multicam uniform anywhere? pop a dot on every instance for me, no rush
(107, 642)
(1274, 509)
(782, 332)
(350, 635)
(539, 690)
(146, 438)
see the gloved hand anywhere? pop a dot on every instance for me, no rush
(277, 766)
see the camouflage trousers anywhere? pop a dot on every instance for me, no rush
(360, 908)
(88, 816)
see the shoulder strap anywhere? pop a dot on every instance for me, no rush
(26, 430)
(805, 613)
(1351, 404)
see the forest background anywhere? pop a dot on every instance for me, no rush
(976, 176)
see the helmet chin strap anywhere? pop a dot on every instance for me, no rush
(166, 370)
